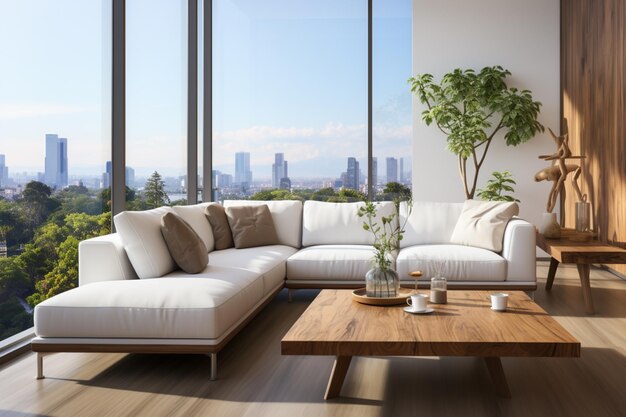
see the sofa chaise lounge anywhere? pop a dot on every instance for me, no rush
(132, 298)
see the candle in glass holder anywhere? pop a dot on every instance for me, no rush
(583, 209)
(438, 290)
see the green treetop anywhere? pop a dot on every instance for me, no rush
(154, 191)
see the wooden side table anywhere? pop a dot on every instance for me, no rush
(583, 254)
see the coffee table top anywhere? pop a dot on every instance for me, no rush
(466, 326)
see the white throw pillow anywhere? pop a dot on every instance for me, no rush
(195, 217)
(143, 241)
(482, 223)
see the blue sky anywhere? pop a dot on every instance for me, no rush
(289, 76)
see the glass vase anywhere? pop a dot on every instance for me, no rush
(382, 283)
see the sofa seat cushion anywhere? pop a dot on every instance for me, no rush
(462, 263)
(269, 261)
(201, 306)
(331, 262)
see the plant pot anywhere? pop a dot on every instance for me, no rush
(549, 227)
(382, 283)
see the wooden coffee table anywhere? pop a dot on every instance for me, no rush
(336, 325)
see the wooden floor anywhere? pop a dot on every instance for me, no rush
(255, 380)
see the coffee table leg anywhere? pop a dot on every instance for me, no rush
(494, 366)
(337, 375)
(583, 273)
(554, 264)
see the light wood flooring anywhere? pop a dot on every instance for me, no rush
(255, 380)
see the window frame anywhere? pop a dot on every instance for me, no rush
(118, 115)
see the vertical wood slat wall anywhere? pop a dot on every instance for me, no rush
(593, 78)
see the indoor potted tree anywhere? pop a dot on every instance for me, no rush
(471, 109)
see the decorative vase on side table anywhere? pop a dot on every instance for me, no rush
(549, 227)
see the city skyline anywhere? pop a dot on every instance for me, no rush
(352, 177)
(279, 113)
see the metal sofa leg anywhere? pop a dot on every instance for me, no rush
(213, 366)
(289, 293)
(40, 365)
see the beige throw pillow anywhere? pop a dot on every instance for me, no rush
(482, 224)
(185, 246)
(221, 229)
(252, 226)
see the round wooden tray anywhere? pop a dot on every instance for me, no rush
(360, 297)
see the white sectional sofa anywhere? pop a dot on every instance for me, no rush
(321, 245)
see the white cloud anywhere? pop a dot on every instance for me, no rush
(17, 111)
(306, 143)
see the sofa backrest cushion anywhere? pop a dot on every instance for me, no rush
(338, 223)
(429, 222)
(216, 216)
(184, 244)
(144, 244)
(482, 223)
(251, 226)
(196, 218)
(287, 216)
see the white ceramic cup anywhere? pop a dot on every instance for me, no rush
(499, 301)
(418, 302)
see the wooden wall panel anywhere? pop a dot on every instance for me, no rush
(593, 54)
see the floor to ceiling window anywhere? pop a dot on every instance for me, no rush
(54, 146)
(391, 56)
(289, 91)
(289, 98)
(156, 71)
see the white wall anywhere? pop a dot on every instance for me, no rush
(521, 36)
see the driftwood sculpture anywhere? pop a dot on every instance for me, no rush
(558, 171)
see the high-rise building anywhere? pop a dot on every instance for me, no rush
(279, 170)
(401, 171)
(4, 172)
(106, 176)
(243, 175)
(285, 184)
(225, 180)
(222, 181)
(392, 170)
(374, 180)
(56, 161)
(352, 174)
(130, 176)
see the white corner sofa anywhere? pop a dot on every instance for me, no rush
(131, 298)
